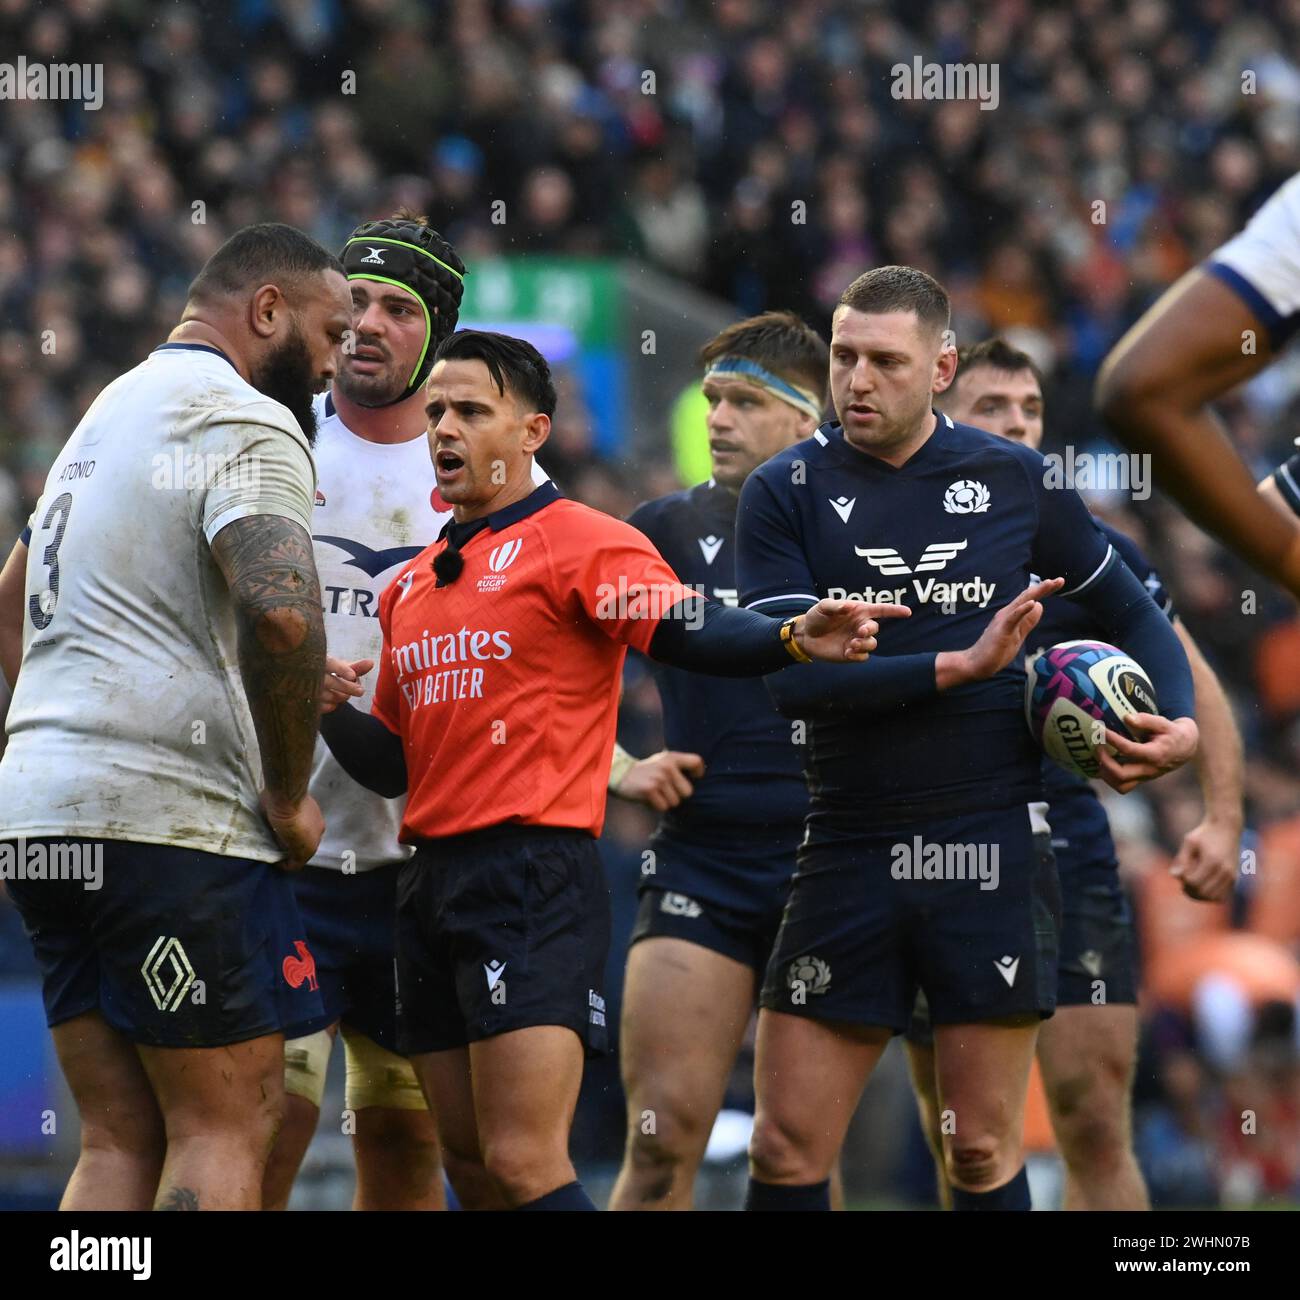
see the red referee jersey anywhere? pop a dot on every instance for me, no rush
(503, 685)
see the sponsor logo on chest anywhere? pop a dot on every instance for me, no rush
(926, 586)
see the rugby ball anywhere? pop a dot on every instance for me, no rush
(1077, 689)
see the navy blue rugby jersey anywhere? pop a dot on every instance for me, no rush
(753, 771)
(954, 533)
(1080, 831)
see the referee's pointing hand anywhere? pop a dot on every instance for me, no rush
(843, 631)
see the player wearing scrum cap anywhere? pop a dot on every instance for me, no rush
(377, 507)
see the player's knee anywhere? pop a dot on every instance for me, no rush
(403, 1141)
(1089, 1114)
(975, 1162)
(253, 1127)
(470, 1180)
(298, 1126)
(137, 1136)
(665, 1135)
(517, 1166)
(776, 1153)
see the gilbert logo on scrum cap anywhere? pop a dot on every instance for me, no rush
(374, 256)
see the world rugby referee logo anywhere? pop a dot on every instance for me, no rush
(808, 975)
(966, 497)
(501, 557)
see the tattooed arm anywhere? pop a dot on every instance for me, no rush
(268, 564)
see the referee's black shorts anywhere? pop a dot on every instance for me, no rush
(501, 929)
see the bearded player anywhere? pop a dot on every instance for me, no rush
(496, 706)
(896, 501)
(377, 506)
(164, 716)
(724, 854)
(1087, 1051)
(1222, 323)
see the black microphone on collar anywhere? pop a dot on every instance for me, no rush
(449, 563)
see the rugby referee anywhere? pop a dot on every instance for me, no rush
(495, 710)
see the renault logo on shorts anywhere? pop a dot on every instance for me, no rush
(503, 556)
(168, 973)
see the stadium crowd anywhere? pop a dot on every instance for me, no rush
(754, 150)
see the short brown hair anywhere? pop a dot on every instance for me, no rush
(780, 341)
(900, 288)
(410, 214)
(996, 354)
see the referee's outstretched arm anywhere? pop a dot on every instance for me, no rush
(366, 750)
(704, 637)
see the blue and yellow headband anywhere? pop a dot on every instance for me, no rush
(742, 367)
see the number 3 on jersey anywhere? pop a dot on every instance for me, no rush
(41, 607)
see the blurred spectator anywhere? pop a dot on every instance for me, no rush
(753, 148)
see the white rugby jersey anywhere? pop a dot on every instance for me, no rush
(1262, 262)
(129, 720)
(377, 507)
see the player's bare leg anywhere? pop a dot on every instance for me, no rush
(445, 1079)
(525, 1092)
(1087, 1055)
(221, 1107)
(983, 1076)
(122, 1138)
(808, 1077)
(399, 1162)
(296, 1133)
(305, 1061)
(685, 1012)
(925, 1084)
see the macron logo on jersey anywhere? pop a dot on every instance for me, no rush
(890, 563)
(404, 582)
(373, 257)
(371, 563)
(710, 546)
(843, 506)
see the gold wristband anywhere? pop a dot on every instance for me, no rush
(793, 648)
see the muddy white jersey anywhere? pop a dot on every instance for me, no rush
(129, 719)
